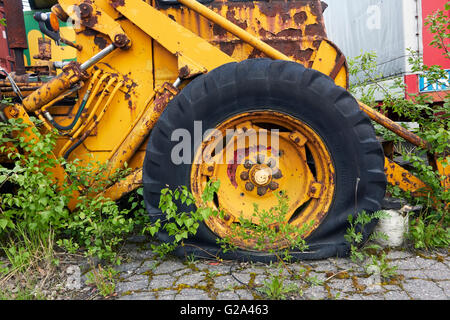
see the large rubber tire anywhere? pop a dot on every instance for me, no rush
(289, 88)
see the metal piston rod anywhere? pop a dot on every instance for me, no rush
(73, 73)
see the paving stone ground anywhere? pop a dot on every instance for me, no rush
(420, 276)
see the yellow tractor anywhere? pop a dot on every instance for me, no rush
(250, 93)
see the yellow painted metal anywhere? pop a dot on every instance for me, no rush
(256, 165)
(58, 53)
(397, 176)
(139, 132)
(131, 182)
(443, 167)
(71, 75)
(327, 62)
(92, 91)
(89, 14)
(44, 121)
(98, 118)
(289, 31)
(179, 48)
(56, 100)
(125, 107)
(79, 128)
(196, 52)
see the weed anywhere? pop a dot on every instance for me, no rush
(181, 225)
(103, 280)
(362, 251)
(271, 228)
(275, 287)
(36, 207)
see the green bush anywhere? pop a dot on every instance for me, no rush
(430, 228)
(37, 207)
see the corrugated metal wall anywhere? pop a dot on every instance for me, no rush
(384, 27)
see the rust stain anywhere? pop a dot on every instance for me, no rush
(164, 95)
(240, 23)
(117, 3)
(184, 72)
(90, 21)
(219, 31)
(290, 33)
(44, 49)
(100, 42)
(315, 30)
(227, 47)
(300, 18)
(89, 32)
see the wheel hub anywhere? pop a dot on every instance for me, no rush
(298, 163)
(261, 176)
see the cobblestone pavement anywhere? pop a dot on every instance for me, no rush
(147, 277)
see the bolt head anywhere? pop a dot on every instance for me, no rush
(247, 164)
(277, 174)
(260, 158)
(85, 10)
(249, 186)
(244, 175)
(273, 185)
(261, 191)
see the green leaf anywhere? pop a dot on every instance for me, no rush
(3, 223)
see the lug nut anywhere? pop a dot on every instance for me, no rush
(261, 191)
(277, 174)
(244, 175)
(273, 185)
(249, 186)
(247, 164)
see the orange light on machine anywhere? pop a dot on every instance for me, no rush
(54, 22)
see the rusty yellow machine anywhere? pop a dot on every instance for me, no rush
(251, 93)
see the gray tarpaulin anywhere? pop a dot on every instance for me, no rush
(369, 25)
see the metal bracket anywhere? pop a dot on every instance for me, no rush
(89, 15)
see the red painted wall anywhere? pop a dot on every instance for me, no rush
(431, 55)
(5, 57)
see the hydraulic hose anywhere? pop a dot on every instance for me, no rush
(75, 120)
(100, 116)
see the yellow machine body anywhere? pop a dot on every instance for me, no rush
(178, 42)
(157, 44)
(149, 62)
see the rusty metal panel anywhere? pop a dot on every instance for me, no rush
(45, 49)
(296, 28)
(5, 56)
(15, 29)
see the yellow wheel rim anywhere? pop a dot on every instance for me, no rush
(256, 155)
